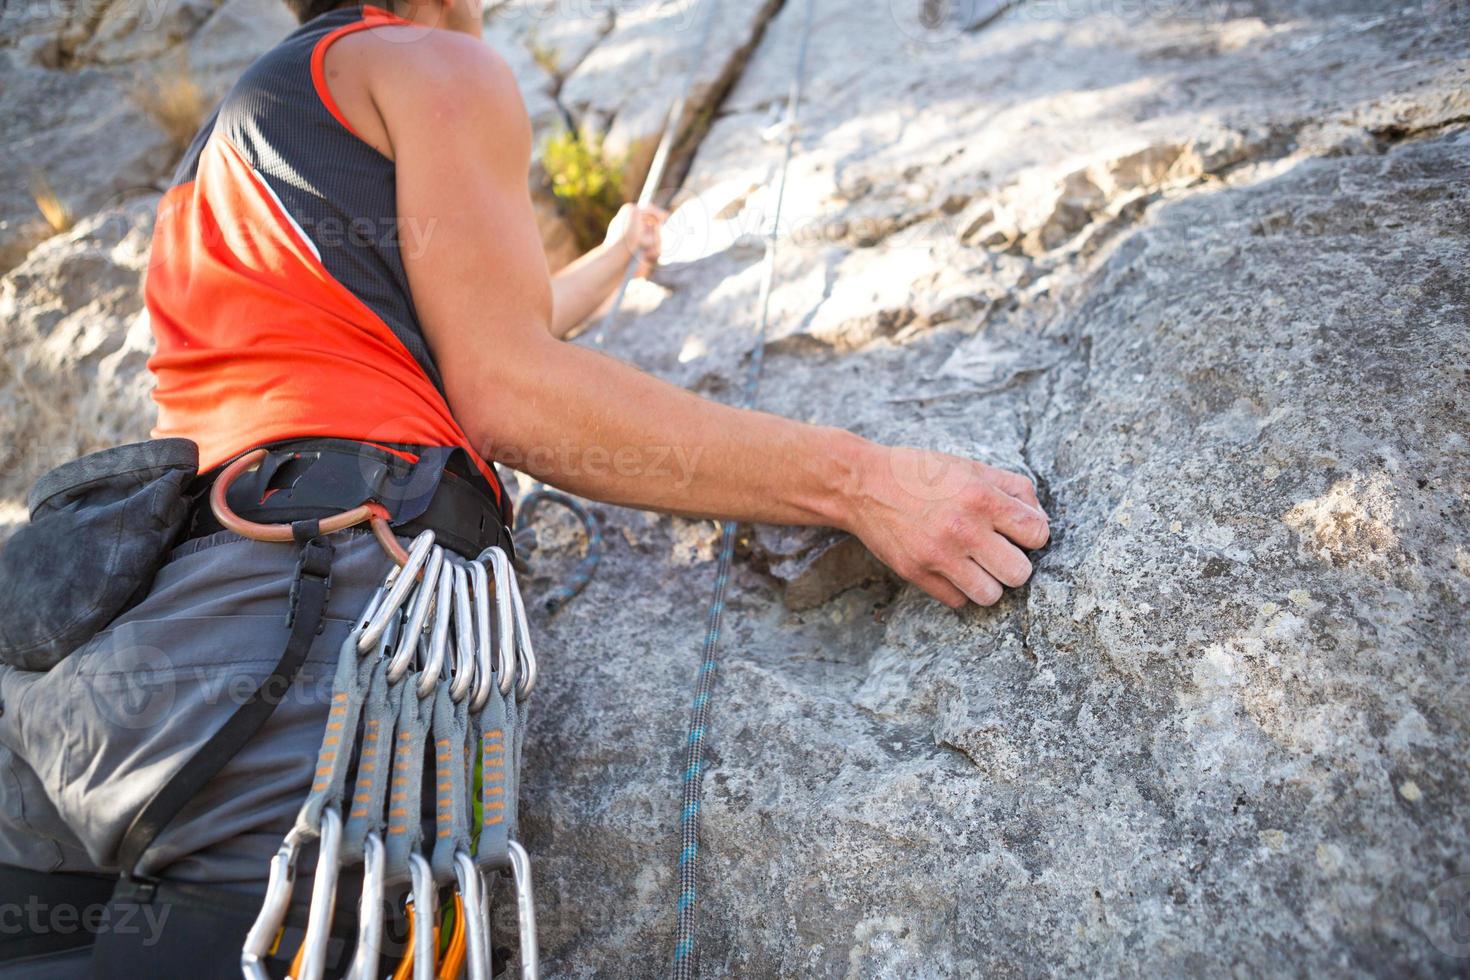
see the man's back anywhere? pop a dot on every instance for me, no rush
(277, 290)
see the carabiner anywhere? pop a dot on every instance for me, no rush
(374, 603)
(514, 627)
(485, 921)
(484, 668)
(375, 514)
(505, 659)
(261, 938)
(392, 633)
(520, 869)
(311, 959)
(439, 643)
(473, 911)
(425, 916)
(452, 962)
(526, 657)
(369, 912)
(418, 614)
(463, 672)
(400, 581)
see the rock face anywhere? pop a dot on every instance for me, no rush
(74, 376)
(101, 96)
(1201, 275)
(1197, 268)
(69, 137)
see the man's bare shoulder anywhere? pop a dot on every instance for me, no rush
(439, 70)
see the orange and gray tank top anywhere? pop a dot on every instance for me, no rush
(277, 292)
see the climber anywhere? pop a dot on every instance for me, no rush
(348, 273)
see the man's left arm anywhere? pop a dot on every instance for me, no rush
(585, 286)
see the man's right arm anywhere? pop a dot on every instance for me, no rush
(593, 425)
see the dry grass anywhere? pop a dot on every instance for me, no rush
(52, 208)
(174, 100)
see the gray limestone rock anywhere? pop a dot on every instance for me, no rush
(1201, 274)
(73, 376)
(236, 33)
(1196, 267)
(75, 136)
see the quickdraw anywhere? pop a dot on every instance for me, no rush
(440, 659)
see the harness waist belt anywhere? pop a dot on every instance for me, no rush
(309, 479)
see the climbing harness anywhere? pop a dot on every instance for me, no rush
(436, 669)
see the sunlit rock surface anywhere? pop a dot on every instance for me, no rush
(1199, 269)
(74, 376)
(1202, 276)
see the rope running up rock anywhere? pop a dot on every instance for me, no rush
(689, 820)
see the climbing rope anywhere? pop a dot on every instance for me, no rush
(689, 816)
(693, 782)
(576, 580)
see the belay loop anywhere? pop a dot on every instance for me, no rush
(423, 684)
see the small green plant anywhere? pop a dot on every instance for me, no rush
(544, 55)
(586, 183)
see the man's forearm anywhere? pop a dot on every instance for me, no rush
(462, 144)
(583, 286)
(596, 427)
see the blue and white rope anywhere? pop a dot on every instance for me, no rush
(689, 815)
(581, 573)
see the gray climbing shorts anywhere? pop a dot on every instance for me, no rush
(86, 744)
